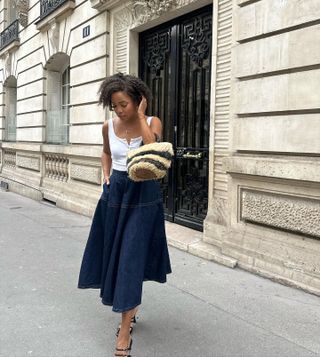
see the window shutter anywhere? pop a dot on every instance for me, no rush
(11, 113)
(54, 118)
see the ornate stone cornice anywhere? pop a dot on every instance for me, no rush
(123, 19)
(22, 9)
(53, 34)
(148, 10)
(144, 11)
(7, 65)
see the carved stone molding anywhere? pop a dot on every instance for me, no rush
(7, 65)
(290, 213)
(122, 19)
(22, 8)
(144, 11)
(85, 173)
(53, 33)
(156, 7)
(28, 162)
(134, 13)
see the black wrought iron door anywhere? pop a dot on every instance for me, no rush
(175, 61)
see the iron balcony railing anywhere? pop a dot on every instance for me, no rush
(48, 6)
(10, 34)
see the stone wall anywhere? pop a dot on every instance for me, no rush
(274, 175)
(69, 175)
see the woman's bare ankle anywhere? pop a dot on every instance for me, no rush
(123, 339)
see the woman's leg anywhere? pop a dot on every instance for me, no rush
(135, 310)
(124, 338)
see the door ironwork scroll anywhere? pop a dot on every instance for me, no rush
(175, 61)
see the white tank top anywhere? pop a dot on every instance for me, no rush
(119, 147)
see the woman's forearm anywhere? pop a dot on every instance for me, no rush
(106, 162)
(148, 136)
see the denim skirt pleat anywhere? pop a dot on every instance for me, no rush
(127, 242)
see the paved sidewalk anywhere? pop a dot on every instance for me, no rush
(205, 310)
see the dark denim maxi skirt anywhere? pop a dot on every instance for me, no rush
(127, 242)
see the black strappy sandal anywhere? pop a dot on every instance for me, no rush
(128, 349)
(133, 321)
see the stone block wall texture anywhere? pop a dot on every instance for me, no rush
(276, 64)
(88, 67)
(29, 164)
(274, 185)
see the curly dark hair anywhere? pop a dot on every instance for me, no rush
(119, 82)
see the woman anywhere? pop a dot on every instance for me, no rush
(127, 242)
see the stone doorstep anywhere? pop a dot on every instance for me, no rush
(190, 241)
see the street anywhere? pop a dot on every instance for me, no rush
(204, 310)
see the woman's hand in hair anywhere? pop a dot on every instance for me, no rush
(142, 107)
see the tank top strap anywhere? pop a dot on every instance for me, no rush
(149, 120)
(110, 128)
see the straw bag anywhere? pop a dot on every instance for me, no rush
(149, 162)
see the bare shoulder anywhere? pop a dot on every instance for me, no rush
(156, 128)
(105, 136)
(155, 120)
(105, 127)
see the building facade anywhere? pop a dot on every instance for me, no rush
(237, 86)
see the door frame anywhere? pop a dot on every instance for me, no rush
(175, 63)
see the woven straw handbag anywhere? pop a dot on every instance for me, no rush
(150, 161)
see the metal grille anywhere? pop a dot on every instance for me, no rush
(10, 34)
(48, 6)
(175, 61)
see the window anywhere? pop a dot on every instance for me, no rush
(12, 12)
(10, 109)
(65, 100)
(58, 100)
